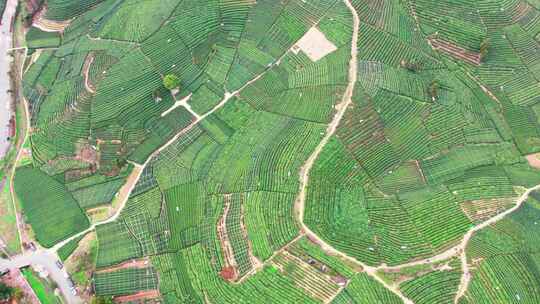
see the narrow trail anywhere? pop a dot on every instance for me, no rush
(304, 171)
(86, 70)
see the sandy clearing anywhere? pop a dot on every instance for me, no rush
(314, 44)
(534, 160)
(47, 25)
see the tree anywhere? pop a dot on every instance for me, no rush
(484, 49)
(5, 291)
(157, 95)
(171, 81)
(434, 89)
(18, 293)
(411, 66)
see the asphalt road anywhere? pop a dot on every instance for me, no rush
(5, 61)
(47, 260)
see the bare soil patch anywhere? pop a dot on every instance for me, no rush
(140, 264)
(534, 160)
(140, 296)
(86, 68)
(229, 271)
(455, 51)
(314, 44)
(47, 25)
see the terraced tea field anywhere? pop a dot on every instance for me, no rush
(318, 151)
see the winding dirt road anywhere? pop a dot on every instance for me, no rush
(304, 171)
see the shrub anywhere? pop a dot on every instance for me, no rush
(171, 81)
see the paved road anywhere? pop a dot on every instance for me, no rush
(5, 62)
(47, 260)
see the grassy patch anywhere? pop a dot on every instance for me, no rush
(42, 291)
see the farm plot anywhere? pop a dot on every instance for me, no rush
(314, 282)
(439, 286)
(41, 197)
(125, 281)
(505, 257)
(363, 289)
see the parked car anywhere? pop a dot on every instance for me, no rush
(59, 264)
(71, 283)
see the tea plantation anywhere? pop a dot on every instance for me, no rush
(289, 151)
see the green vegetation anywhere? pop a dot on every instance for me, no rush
(363, 289)
(125, 281)
(42, 197)
(36, 38)
(484, 49)
(65, 251)
(2, 7)
(507, 260)
(40, 287)
(171, 81)
(102, 300)
(443, 113)
(6, 292)
(438, 286)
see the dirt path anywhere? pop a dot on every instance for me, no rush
(140, 264)
(226, 247)
(269, 260)
(304, 171)
(138, 297)
(86, 69)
